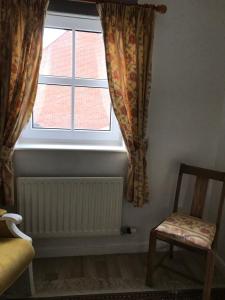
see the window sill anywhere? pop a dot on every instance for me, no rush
(70, 147)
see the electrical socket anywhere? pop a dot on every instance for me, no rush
(128, 230)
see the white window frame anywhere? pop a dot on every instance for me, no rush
(84, 137)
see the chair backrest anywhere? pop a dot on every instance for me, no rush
(201, 184)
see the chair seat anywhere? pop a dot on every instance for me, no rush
(188, 230)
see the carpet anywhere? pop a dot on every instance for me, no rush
(217, 294)
(122, 277)
(120, 273)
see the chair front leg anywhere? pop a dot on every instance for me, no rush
(210, 261)
(151, 252)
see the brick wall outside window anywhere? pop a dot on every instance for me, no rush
(53, 103)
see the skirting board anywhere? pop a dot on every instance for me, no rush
(60, 251)
(101, 249)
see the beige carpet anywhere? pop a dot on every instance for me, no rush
(119, 273)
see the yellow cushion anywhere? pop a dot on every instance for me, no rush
(15, 256)
(189, 230)
(2, 212)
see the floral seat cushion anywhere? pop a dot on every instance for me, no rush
(189, 230)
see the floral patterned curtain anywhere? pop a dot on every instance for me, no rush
(128, 37)
(21, 28)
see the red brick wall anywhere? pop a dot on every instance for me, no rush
(53, 103)
(57, 57)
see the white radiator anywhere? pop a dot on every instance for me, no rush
(70, 206)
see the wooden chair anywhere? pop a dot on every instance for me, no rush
(189, 230)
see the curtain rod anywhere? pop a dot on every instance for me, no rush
(159, 8)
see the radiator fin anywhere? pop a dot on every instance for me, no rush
(70, 206)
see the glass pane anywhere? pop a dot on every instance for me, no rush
(57, 52)
(89, 55)
(92, 108)
(52, 107)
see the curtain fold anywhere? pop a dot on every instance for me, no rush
(21, 30)
(128, 37)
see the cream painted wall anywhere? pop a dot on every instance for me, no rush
(194, 115)
(220, 165)
(184, 123)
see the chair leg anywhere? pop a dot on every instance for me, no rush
(209, 275)
(31, 279)
(171, 251)
(151, 252)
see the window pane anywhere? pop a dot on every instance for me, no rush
(92, 108)
(57, 52)
(89, 55)
(52, 107)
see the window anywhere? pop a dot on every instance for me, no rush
(73, 104)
